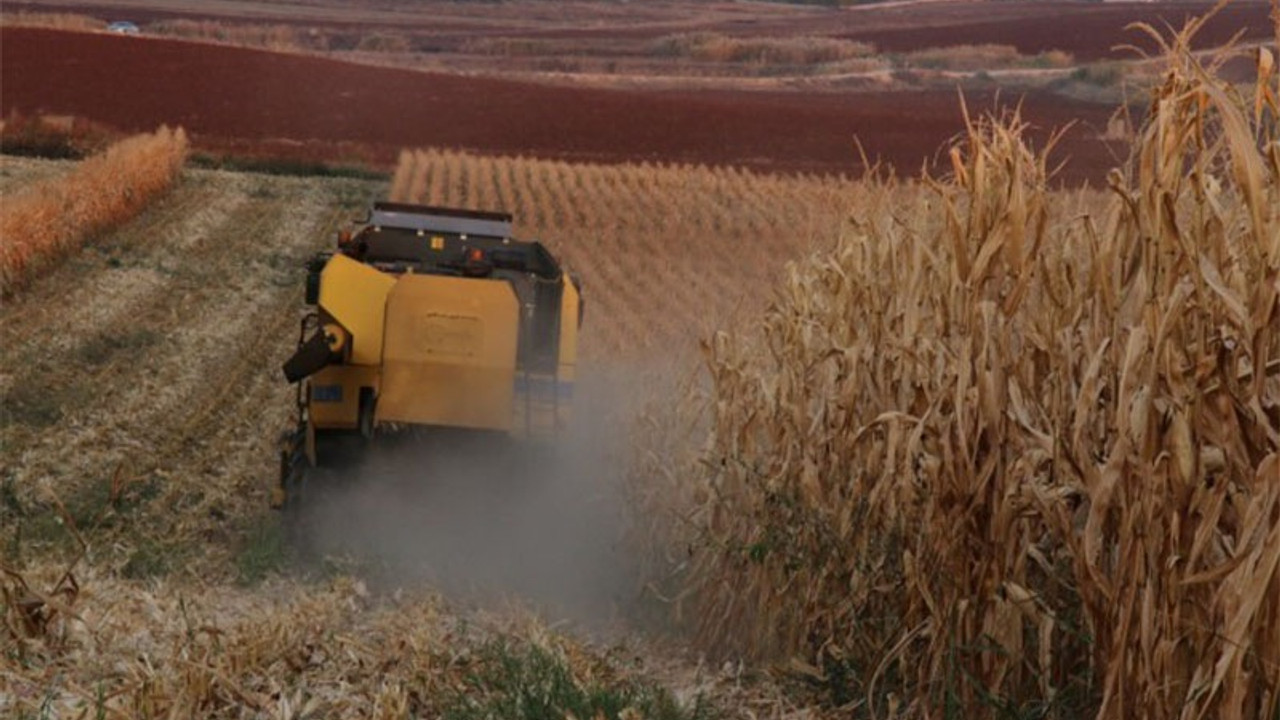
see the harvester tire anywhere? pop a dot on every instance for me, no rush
(366, 413)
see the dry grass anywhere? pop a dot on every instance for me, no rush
(984, 57)
(100, 647)
(520, 46)
(995, 456)
(47, 222)
(718, 48)
(276, 37)
(56, 21)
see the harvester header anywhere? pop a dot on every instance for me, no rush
(478, 223)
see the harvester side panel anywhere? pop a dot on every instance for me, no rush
(570, 305)
(570, 309)
(356, 295)
(334, 401)
(449, 354)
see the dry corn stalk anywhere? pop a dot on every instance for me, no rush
(50, 221)
(987, 455)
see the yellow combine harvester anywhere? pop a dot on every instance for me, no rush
(429, 317)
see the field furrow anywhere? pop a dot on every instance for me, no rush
(169, 380)
(17, 173)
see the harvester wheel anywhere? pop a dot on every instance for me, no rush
(293, 477)
(366, 413)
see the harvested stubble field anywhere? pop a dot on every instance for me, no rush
(19, 173)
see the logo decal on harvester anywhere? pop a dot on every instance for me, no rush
(449, 335)
(326, 393)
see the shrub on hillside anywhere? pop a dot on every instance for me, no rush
(979, 57)
(1103, 74)
(281, 38)
(717, 48)
(384, 43)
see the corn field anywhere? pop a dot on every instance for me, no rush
(986, 458)
(51, 220)
(664, 251)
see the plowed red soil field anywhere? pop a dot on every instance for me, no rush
(302, 105)
(1089, 31)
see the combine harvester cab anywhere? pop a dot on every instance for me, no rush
(429, 317)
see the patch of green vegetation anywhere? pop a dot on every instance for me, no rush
(45, 391)
(264, 191)
(1103, 74)
(101, 348)
(11, 514)
(284, 166)
(149, 559)
(108, 502)
(40, 144)
(265, 550)
(40, 402)
(1112, 83)
(522, 681)
(357, 196)
(101, 505)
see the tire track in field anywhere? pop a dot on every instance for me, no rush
(107, 283)
(127, 412)
(218, 286)
(85, 334)
(215, 459)
(17, 174)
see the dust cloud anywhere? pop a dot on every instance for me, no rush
(483, 518)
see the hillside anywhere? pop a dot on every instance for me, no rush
(232, 99)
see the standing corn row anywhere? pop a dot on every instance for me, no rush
(51, 220)
(708, 236)
(987, 457)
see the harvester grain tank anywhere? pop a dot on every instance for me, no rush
(427, 317)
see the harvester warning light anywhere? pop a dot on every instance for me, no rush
(437, 242)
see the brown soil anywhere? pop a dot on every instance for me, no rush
(319, 108)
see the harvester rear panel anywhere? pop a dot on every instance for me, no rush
(431, 317)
